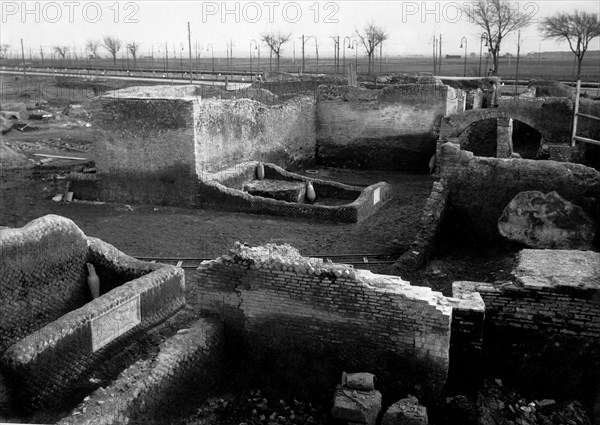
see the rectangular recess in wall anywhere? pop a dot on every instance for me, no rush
(376, 196)
(115, 322)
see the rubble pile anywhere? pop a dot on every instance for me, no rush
(284, 258)
(254, 408)
(498, 405)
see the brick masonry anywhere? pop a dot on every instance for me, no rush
(274, 289)
(41, 366)
(151, 391)
(550, 116)
(157, 142)
(424, 244)
(391, 128)
(222, 190)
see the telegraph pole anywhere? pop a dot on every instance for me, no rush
(304, 40)
(440, 57)
(23, 57)
(190, 53)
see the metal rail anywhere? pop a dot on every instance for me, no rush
(192, 263)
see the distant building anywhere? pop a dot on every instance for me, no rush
(453, 56)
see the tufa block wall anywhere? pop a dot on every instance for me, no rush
(272, 290)
(392, 128)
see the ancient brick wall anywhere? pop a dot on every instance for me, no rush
(186, 367)
(480, 188)
(272, 290)
(42, 277)
(543, 329)
(391, 128)
(228, 132)
(146, 151)
(424, 244)
(42, 365)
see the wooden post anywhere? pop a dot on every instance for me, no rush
(575, 112)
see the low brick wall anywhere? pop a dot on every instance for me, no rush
(352, 317)
(187, 367)
(424, 244)
(480, 188)
(41, 367)
(543, 330)
(218, 190)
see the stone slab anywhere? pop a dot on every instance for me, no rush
(539, 268)
(290, 191)
(356, 406)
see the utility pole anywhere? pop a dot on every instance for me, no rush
(304, 40)
(23, 57)
(190, 53)
(166, 57)
(42, 55)
(294, 52)
(440, 57)
(434, 54)
(380, 54)
(518, 55)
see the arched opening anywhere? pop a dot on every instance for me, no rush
(526, 140)
(480, 138)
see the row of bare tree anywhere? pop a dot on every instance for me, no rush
(111, 44)
(497, 18)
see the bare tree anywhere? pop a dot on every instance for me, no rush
(113, 45)
(275, 41)
(497, 18)
(4, 50)
(133, 49)
(578, 28)
(92, 47)
(61, 50)
(371, 37)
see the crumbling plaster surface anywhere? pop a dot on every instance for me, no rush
(228, 132)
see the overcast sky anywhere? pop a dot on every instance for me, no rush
(410, 25)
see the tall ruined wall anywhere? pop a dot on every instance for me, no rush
(480, 188)
(392, 128)
(146, 151)
(228, 132)
(349, 318)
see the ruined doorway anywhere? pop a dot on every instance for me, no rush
(526, 140)
(480, 138)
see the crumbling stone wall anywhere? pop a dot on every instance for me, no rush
(157, 142)
(391, 128)
(480, 188)
(228, 132)
(272, 293)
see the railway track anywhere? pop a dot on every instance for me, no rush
(191, 263)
